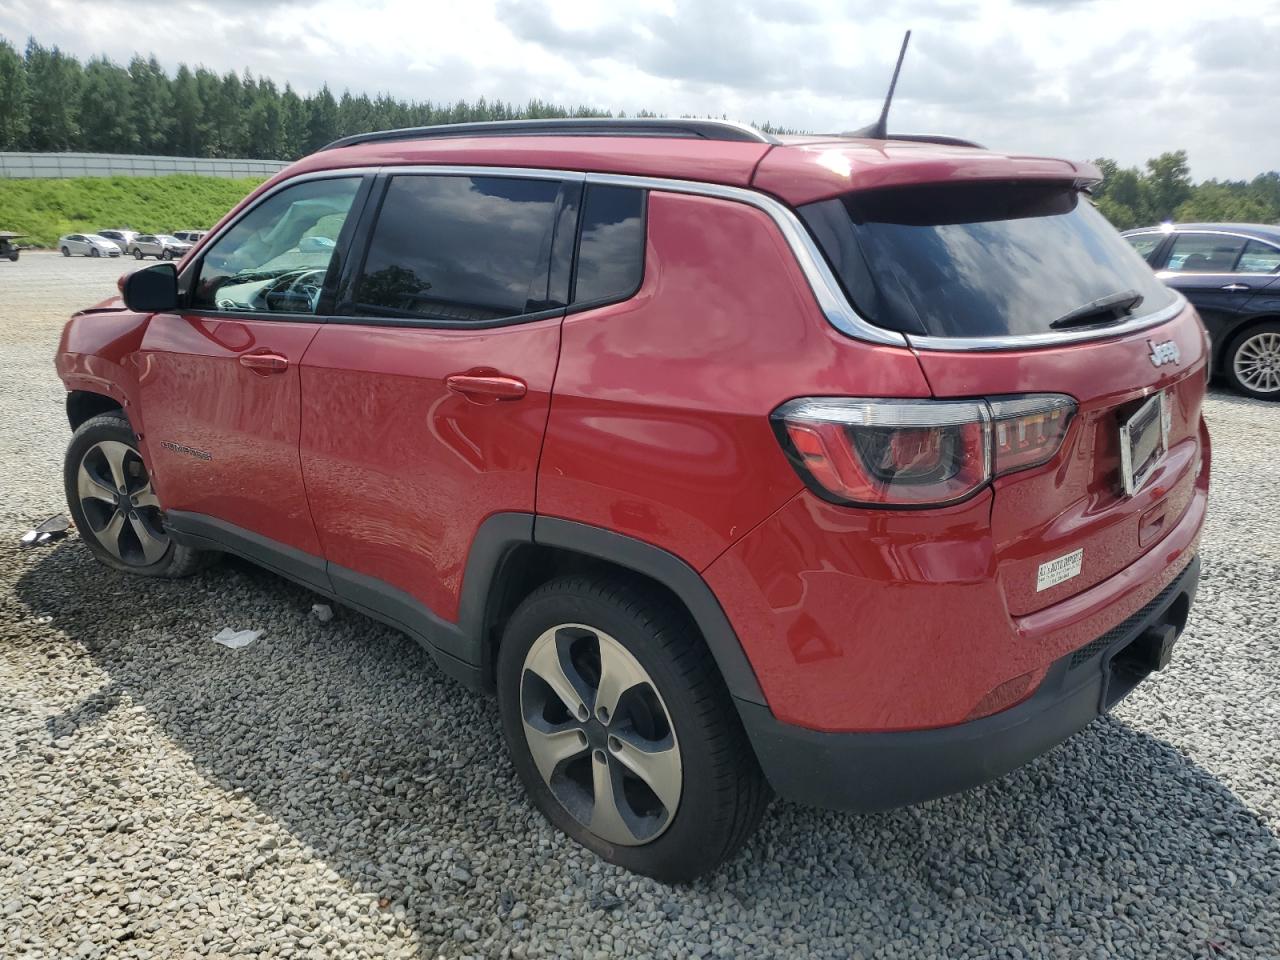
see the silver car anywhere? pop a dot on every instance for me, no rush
(87, 245)
(191, 236)
(162, 246)
(121, 238)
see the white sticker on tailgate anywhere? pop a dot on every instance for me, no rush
(1058, 571)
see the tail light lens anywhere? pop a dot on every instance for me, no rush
(910, 453)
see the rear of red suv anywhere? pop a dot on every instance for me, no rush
(866, 470)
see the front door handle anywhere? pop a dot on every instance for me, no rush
(486, 387)
(1236, 287)
(264, 363)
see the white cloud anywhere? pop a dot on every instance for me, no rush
(1077, 78)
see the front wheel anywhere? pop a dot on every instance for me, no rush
(622, 731)
(137, 253)
(93, 252)
(66, 252)
(114, 507)
(1253, 361)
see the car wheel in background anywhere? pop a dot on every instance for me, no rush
(137, 253)
(166, 255)
(622, 730)
(94, 252)
(66, 252)
(1253, 361)
(111, 500)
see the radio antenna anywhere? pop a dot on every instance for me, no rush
(880, 129)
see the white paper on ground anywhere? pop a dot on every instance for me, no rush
(235, 639)
(322, 611)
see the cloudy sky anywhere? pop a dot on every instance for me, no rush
(1079, 78)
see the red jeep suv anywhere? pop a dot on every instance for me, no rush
(856, 470)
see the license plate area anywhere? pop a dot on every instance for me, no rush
(1143, 441)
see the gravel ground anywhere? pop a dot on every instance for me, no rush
(326, 793)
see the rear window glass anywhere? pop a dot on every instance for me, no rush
(978, 260)
(611, 249)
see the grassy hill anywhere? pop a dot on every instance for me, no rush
(47, 209)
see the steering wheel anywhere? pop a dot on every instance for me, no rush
(295, 293)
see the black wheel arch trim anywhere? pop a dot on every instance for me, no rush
(668, 569)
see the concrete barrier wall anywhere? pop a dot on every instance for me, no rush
(62, 165)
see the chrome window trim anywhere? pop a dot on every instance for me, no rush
(827, 291)
(1032, 341)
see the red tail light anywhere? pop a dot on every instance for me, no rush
(910, 453)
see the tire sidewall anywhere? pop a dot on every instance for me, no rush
(91, 432)
(1229, 362)
(679, 853)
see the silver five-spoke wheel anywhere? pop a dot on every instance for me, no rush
(600, 734)
(1257, 362)
(119, 505)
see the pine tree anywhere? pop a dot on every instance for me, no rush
(14, 115)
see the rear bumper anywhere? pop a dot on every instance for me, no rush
(870, 771)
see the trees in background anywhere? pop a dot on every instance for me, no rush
(49, 102)
(1164, 191)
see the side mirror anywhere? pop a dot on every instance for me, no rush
(152, 289)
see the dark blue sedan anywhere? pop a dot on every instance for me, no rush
(1231, 272)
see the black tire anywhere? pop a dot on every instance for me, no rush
(177, 560)
(722, 802)
(66, 252)
(137, 253)
(166, 255)
(1268, 328)
(94, 252)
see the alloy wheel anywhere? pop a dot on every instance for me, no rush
(120, 506)
(600, 734)
(1257, 362)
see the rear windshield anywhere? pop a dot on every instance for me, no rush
(981, 260)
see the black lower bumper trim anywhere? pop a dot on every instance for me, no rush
(875, 771)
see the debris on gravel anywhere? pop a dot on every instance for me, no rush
(327, 793)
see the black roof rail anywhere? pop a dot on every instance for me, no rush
(570, 127)
(912, 138)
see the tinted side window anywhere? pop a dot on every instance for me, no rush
(275, 257)
(1145, 243)
(1259, 258)
(611, 248)
(459, 248)
(1204, 253)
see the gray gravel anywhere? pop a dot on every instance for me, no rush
(326, 793)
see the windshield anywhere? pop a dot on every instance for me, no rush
(979, 259)
(166, 238)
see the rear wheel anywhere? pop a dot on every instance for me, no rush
(622, 731)
(1253, 361)
(111, 500)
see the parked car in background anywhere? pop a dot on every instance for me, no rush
(1231, 272)
(162, 246)
(9, 249)
(121, 238)
(190, 236)
(862, 469)
(87, 245)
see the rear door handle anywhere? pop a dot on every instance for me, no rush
(264, 363)
(1236, 287)
(487, 387)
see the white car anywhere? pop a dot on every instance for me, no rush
(191, 236)
(162, 246)
(121, 238)
(87, 245)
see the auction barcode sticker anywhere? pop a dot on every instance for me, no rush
(1058, 571)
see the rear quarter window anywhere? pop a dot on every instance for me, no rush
(610, 262)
